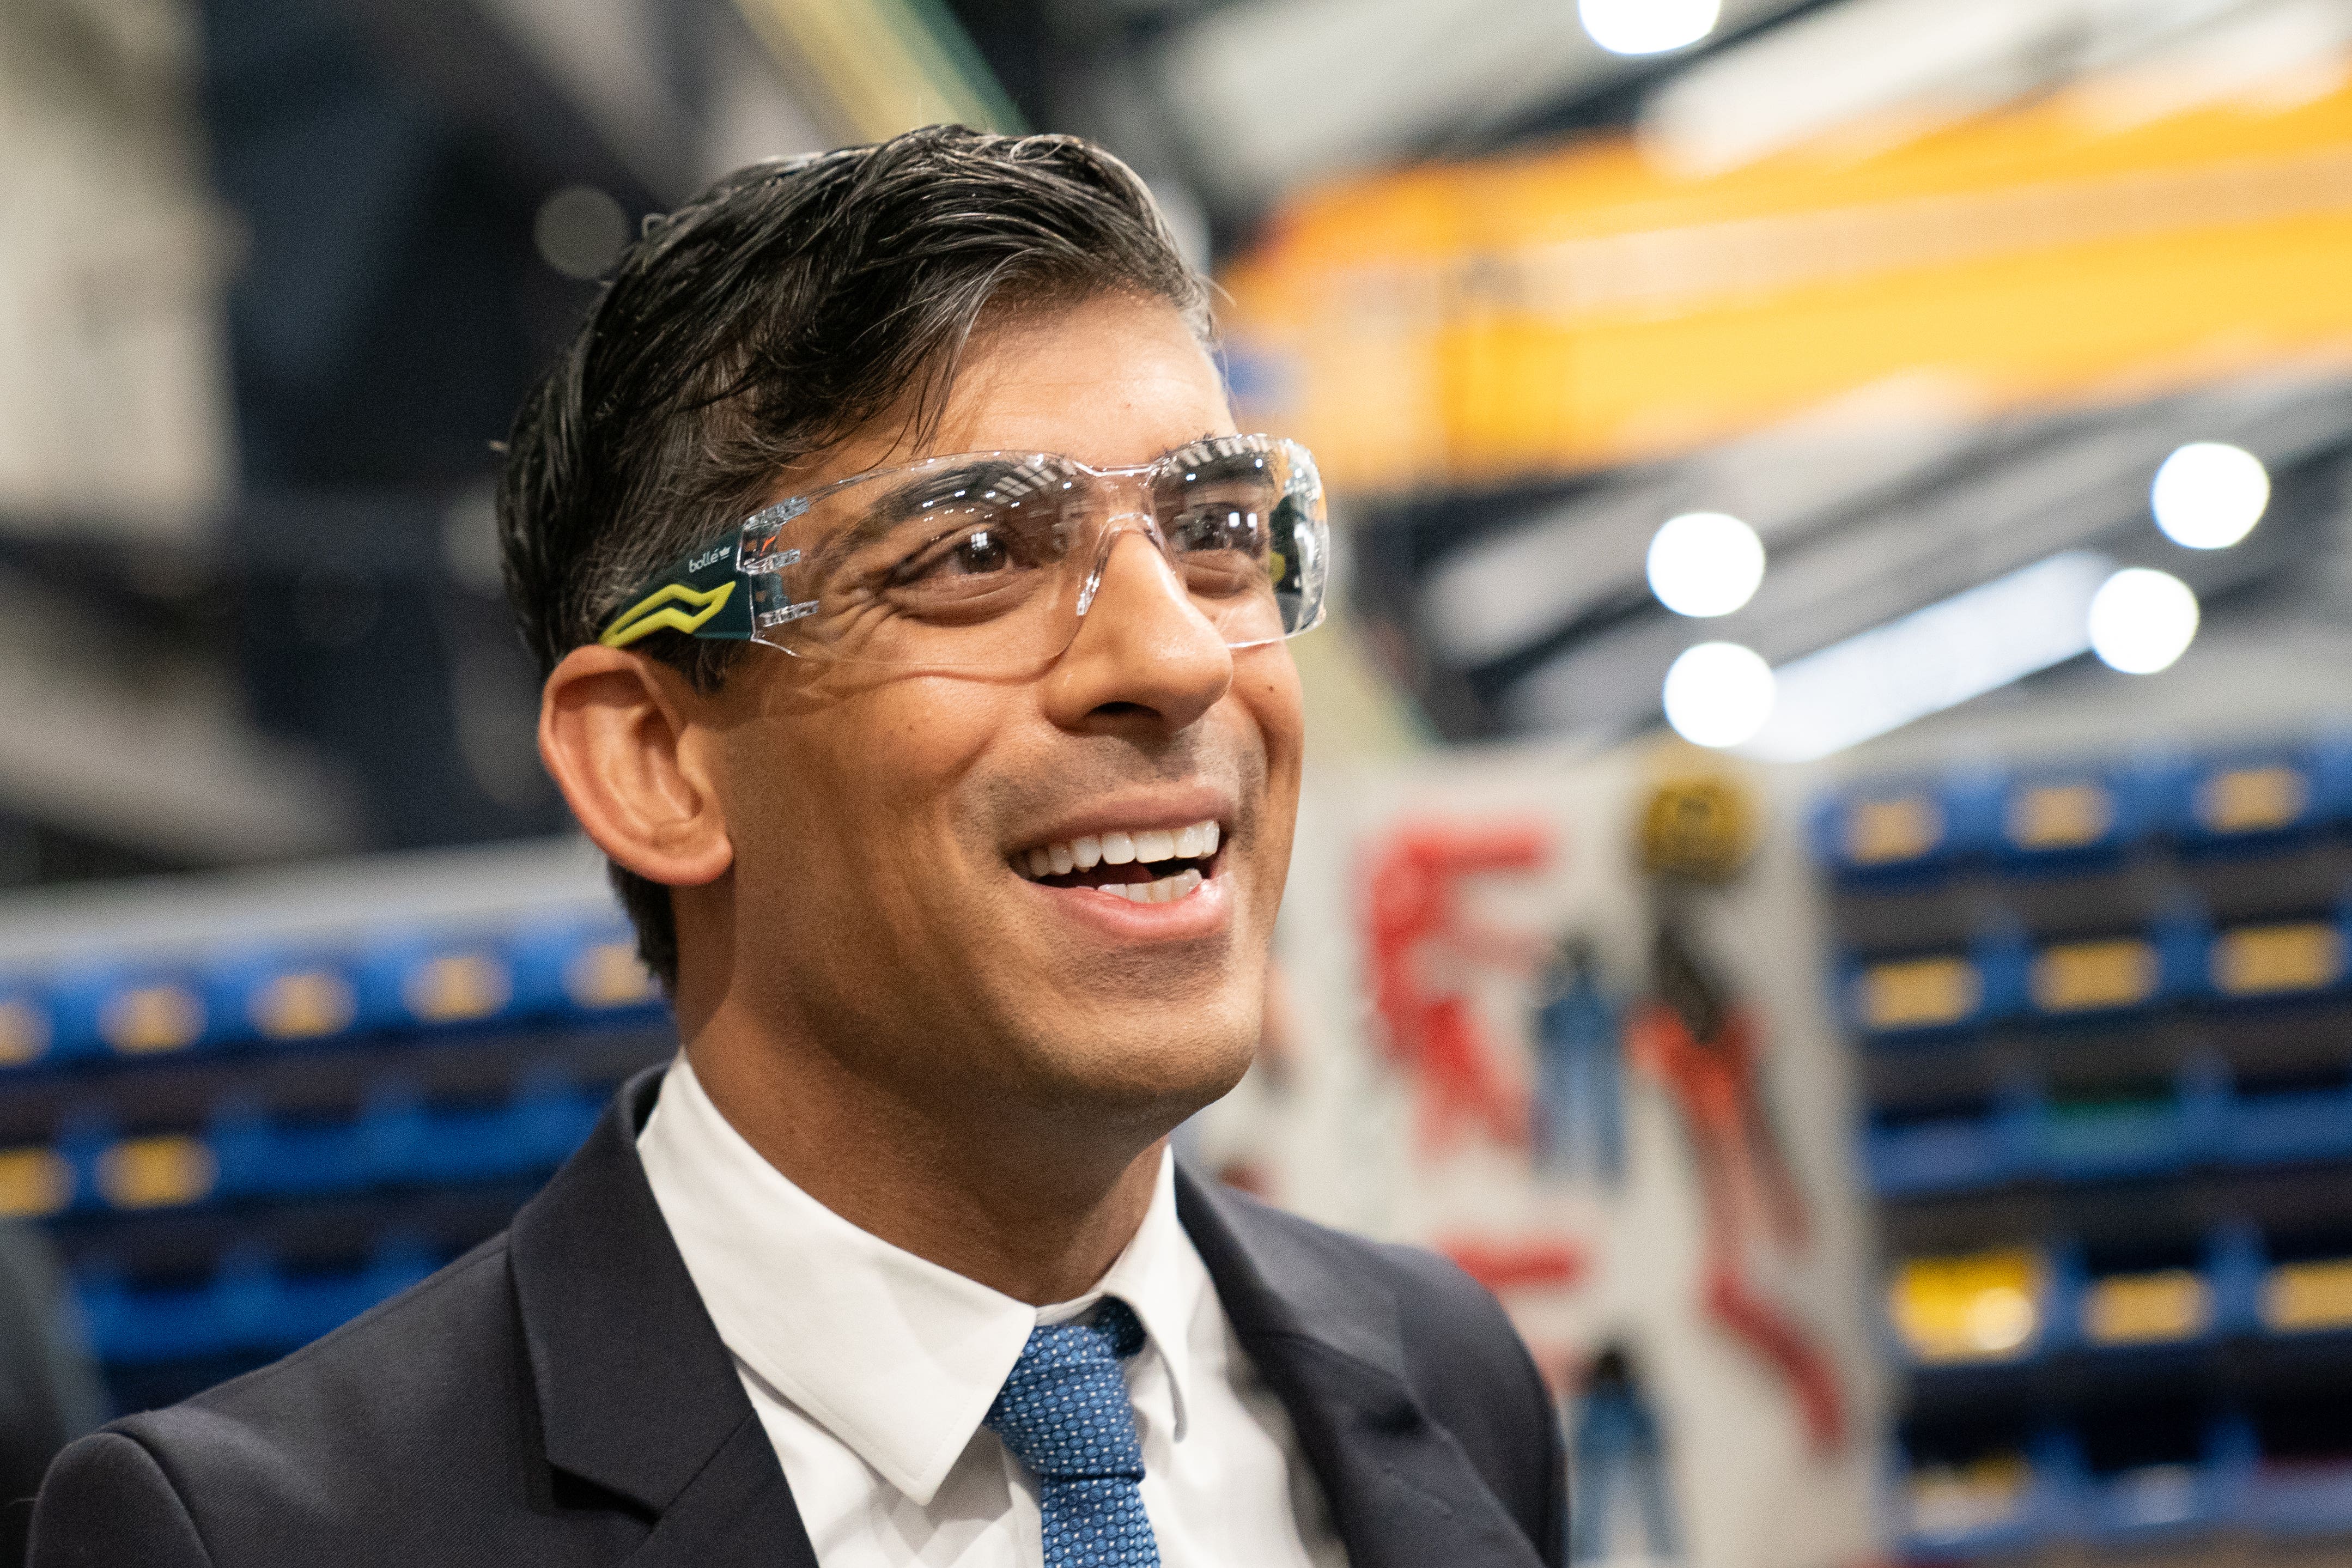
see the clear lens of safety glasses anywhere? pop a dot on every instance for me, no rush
(988, 561)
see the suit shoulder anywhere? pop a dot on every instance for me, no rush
(421, 1403)
(106, 1501)
(463, 1314)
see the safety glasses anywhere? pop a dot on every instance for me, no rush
(988, 562)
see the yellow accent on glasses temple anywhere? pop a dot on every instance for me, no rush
(658, 612)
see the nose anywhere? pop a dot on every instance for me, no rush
(1144, 655)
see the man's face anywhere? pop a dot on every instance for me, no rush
(886, 902)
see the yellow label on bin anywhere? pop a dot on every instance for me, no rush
(23, 1034)
(457, 986)
(607, 975)
(34, 1182)
(2077, 976)
(2147, 1309)
(2263, 961)
(152, 1019)
(1916, 993)
(1982, 1307)
(2060, 816)
(2253, 800)
(157, 1173)
(304, 1006)
(2299, 1298)
(1882, 832)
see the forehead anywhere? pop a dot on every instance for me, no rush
(1111, 380)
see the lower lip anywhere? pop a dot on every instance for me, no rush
(1203, 912)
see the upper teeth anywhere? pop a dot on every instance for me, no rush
(1197, 842)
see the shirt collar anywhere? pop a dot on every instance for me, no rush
(893, 1354)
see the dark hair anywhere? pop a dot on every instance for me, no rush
(782, 309)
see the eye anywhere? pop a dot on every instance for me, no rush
(985, 553)
(980, 551)
(1218, 526)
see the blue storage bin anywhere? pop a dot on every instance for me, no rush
(474, 1143)
(1934, 995)
(264, 1156)
(580, 967)
(408, 1140)
(2235, 1264)
(2330, 760)
(131, 1326)
(2079, 817)
(280, 996)
(1948, 1155)
(2299, 1500)
(1999, 1505)
(393, 1132)
(2108, 976)
(1956, 1153)
(2192, 1302)
(250, 1303)
(549, 1118)
(156, 1171)
(105, 1009)
(1892, 831)
(2255, 963)
(2255, 799)
(435, 980)
(81, 1141)
(2281, 1126)
(2152, 1503)
(28, 1029)
(2145, 1136)
(309, 1305)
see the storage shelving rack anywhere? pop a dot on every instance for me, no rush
(248, 1109)
(2103, 1020)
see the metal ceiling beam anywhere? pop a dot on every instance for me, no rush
(583, 95)
(1280, 92)
(150, 753)
(2033, 493)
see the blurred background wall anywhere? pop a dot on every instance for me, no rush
(1827, 861)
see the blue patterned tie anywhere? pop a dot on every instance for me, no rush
(1064, 1413)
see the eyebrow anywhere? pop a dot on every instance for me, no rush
(912, 500)
(1003, 472)
(1198, 448)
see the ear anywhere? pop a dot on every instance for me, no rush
(616, 732)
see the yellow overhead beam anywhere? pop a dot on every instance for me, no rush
(881, 67)
(1541, 315)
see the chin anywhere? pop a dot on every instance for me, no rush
(1153, 1077)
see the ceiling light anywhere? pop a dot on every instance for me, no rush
(1648, 26)
(2141, 620)
(1933, 658)
(1706, 564)
(2208, 495)
(1719, 694)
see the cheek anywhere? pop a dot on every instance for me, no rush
(1271, 697)
(893, 763)
(1270, 692)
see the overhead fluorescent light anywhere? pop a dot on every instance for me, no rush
(1931, 660)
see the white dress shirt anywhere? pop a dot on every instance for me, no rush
(871, 1369)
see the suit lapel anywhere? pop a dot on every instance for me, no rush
(1326, 1340)
(636, 1394)
(637, 1397)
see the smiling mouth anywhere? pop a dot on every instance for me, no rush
(1156, 865)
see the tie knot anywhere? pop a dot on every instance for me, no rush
(1064, 1411)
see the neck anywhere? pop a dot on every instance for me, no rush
(1034, 1205)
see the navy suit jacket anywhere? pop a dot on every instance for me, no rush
(559, 1396)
